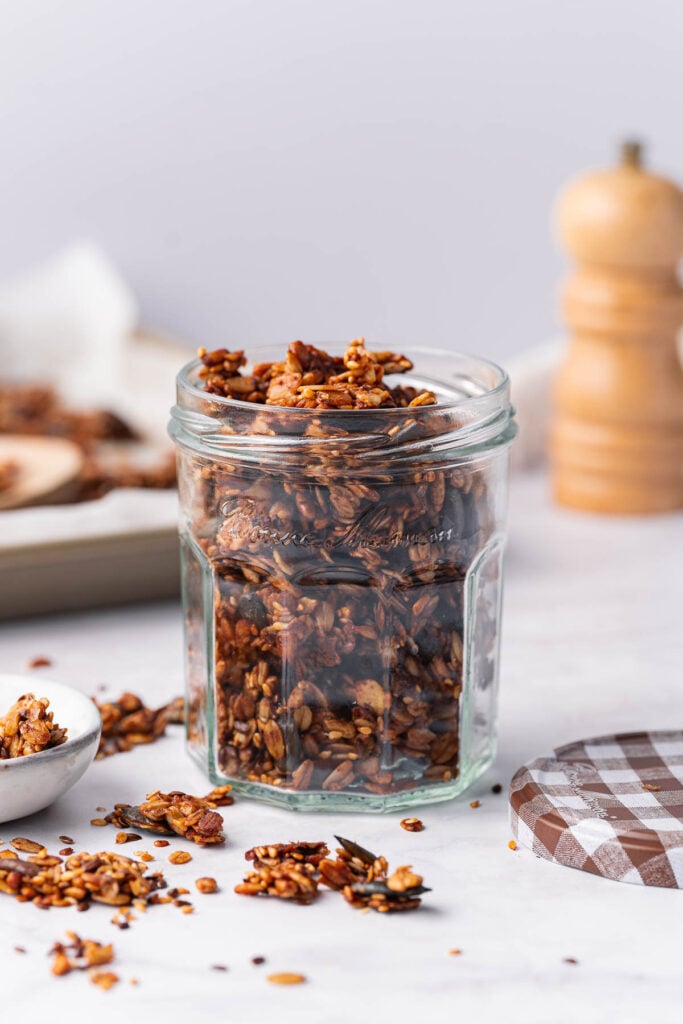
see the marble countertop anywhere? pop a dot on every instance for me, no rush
(592, 643)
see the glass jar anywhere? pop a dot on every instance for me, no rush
(342, 588)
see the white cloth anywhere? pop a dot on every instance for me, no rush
(73, 315)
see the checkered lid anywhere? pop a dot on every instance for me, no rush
(612, 806)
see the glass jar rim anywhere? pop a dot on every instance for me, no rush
(473, 412)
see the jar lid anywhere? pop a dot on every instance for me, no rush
(612, 806)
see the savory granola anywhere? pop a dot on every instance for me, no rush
(176, 813)
(28, 727)
(127, 723)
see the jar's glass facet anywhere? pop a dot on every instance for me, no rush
(341, 589)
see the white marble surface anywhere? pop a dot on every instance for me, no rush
(592, 643)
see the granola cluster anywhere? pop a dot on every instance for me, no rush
(127, 723)
(177, 813)
(49, 881)
(287, 870)
(38, 411)
(295, 871)
(339, 574)
(309, 378)
(28, 727)
(79, 954)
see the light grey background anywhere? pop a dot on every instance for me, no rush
(274, 169)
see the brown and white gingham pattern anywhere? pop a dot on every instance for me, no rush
(588, 807)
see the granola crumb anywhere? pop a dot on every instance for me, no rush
(19, 949)
(133, 981)
(187, 909)
(67, 840)
(98, 822)
(496, 788)
(66, 852)
(475, 804)
(161, 842)
(219, 967)
(286, 978)
(105, 979)
(455, 952)
(179, 857)
(39, 662)
(100, 809)
(512, 845)
(258, 960)
(206, 884)
(412, 825)
(127, 837)
(570, 960)
(651, 788)
(144, 855)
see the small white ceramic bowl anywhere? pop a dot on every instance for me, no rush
(30, 783)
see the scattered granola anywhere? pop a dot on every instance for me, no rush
(28, 727)
(103, 877)
(286, 870)
(207, 885)
(177, 813)
(127, 723)
(365, 882)
(412, 825)
(40, 662)
(80, 955)
(286, 978)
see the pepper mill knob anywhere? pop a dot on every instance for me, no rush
(616, 442)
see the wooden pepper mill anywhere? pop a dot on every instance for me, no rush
(616, 442)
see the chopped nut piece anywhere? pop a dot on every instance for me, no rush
(39, 662)
(412, 825)
(179, 857)
(206, 885)
(286, 978)
(475, 804)
(161, 842)
(28, 728)
(177, 813)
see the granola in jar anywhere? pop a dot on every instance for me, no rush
(341, 535)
